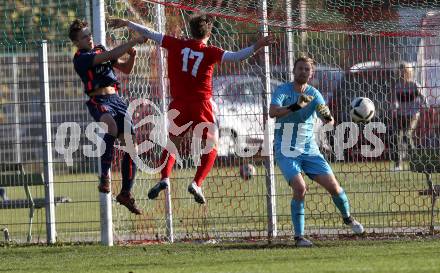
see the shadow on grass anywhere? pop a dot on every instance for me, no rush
(255, 246)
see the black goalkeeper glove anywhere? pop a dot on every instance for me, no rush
(294, 107)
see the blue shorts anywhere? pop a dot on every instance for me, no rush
(311, 165)
(112, 104)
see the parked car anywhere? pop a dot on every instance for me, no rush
(374, 80)
(361, 80)
(239, 101)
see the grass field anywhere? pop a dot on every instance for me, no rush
(379, 199)
(399, 256)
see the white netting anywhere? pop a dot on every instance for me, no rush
(389, 18)
(344, 53)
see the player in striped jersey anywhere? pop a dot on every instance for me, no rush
(95, 66)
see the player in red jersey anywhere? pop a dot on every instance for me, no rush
(190, 69)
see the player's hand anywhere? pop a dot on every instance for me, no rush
(325, 113)
(132, 52)
(304, 100)
(117, 23)
(264, 41)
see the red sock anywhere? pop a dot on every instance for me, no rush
(166, 171)
(207, 161)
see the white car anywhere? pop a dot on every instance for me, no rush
(239, 102)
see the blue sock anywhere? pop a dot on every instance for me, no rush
(128, 170)
(107, 157)
(341, 202)
(297, 213)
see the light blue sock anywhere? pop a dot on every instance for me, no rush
(297, 213)
(341, 202)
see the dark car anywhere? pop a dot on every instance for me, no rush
(374, 80)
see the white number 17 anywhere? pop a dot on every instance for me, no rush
(188, 53)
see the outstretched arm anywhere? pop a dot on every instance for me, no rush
(245, 53)
(144, 31)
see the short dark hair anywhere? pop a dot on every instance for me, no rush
(304, 59)
(76, 27)
(201, 26)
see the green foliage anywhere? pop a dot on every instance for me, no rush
(28, 21)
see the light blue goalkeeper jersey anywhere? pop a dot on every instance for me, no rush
(294, 132)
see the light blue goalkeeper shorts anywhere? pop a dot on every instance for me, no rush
(311, 165)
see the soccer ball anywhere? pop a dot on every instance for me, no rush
(247, 171)
(362, 110)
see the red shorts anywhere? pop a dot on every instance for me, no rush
(195, 112)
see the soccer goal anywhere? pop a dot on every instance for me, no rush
(357, 49)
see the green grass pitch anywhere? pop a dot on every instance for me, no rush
(379, 198)
(399, 256)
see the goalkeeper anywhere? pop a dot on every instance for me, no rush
(296, 106)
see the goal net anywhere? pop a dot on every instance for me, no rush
(358, 48)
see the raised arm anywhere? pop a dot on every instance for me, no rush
(144, 31)
(230, 56)
(117, 52)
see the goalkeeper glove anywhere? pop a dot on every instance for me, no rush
(324, 112)
(303, 101)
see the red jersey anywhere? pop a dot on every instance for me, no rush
(190, 68)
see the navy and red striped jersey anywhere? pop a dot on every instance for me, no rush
(94, 76)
